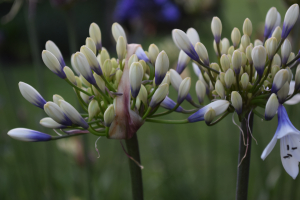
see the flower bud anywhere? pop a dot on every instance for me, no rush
(84, 67)
(75, 68)
(184, 89)
(245, 80)
(200, 91)
(216, 67)
(291, 57)
(89, 42)
(100, 82)
(225, 62)
(161, 67)
(237, 102)
(225, 46)
(56, 98)
(175, 79)
(78, 82)
(83, 81)
(219, 106)
(270, 21)
(215, 47)
(202, 53)
(103, 56)
(247, 27)
(95, 34)
(277, 33)
(32, 95)
(51, 46)
(235, 37)
(183, 42)
(109, 115)
(249, 52)
(231, 50)
(216, 28)
(159, 95)
(196, 69)
(28, 135)
(153, 52)
(274, 70)
(48, 122)
(290, 19)
(229, 78)
(259, 56)
(276, 60)
(271, 107)
(220, 89)
(143, 95)
(193, 36)
(119, 74)
(244, 59)
(117, 31)
(279, 80)
(283, 92)
(106, 68)
(290, 73)
(93, 109)
(236, 61)
(132, 59)
(166, 79)
(271, 47)
(135, 78)
(70, 75)
(183, 61)
(53, 64)
(72, 114)
(209, 115)
(257, 42)
(92, 59)
(169, 104)
(56, 113)
(121, 48)
(286, 49)
(245, 41)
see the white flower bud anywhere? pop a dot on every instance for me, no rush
(215, 47)
(121, 48)
(135, 77)
(225, 46)
(235, 37)
(270, 21)
(286, 49)
(259, 56)
(271, 47)
(132, 59)
(28, 135)
(236, 61)
(106, 68)
(175, 79)
(95, 34)
(244, 59)
(245, 80)
(32, 95)
(51, 46)
(56, 113)
(277, 33)
(92, 59)
(56, 98)
(231, 50)
(290, 19)
(274, 70)
(84, 67)
(73, 114)
(200, 91)
(109, 115)
(183, 61)
(70, 75)
(184, 89)
(143, 95)
(48, 122)
(283, 92)
(202, 53)
(75, 68)
(153, 52)
(117, 31)
(271, 107)
(166, 79)
(276, 60)
(220, 89)
(161, 67)
(53, 64)
(193, 36)
(100, 82)
(225, 62)
(93, 109)
(257, 42)
(291, 57)
(89, 42)
(229, 78)
(209, 115)
(249, 52)
(216, 28)
(290, 73)
(83, 81)
(183, 42)
(103, 56)
(159, 95)
(237, 102)
(78, 81)
(245, 41)
(247, 27)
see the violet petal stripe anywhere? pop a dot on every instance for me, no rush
(198, 116)
(159, 78)
(40, 102)
(180, 67)
(140, 53)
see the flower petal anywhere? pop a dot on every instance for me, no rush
(289, 163)
(294, 100)
(269, 148)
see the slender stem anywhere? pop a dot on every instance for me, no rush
(163, 121)
(135, 170)
(292, 61)
(244, 166)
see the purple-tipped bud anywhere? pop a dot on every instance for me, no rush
(290, 19)
(28, 135)
(169, 104)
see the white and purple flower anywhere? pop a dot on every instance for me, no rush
(28, 135)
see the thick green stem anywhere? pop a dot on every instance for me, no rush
(135, 170)
(244, 160)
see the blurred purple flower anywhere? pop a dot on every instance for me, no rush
(160, 10)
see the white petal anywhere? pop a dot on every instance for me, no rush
(292, 87)
(269, 148)
(294, 100)
(290, 164)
